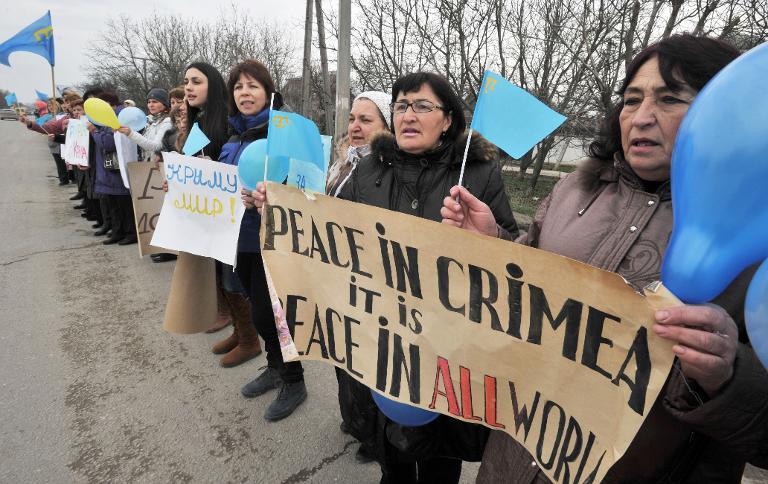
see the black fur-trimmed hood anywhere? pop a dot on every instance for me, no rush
(384, 149)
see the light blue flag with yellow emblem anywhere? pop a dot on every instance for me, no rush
(510, 117)
(10, 99)
(42, 96)
(294, 143)
(37, 38)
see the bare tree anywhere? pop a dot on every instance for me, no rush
(136, 55)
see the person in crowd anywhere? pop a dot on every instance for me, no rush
(410, 172)
(206, 96)
(51, 127)
(129, 103)
(615, 211)
(108, 183)
(176, 95)
(251, 88)
(205, 99)
(368, 116)
(171, 137)
(151, 140)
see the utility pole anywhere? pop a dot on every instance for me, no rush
(324, 66)
(342, 69)
(306, 74)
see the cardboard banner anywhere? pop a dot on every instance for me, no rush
(75, 150)
(191, 306)
(554, 352)
(147, 197)
(202, 210)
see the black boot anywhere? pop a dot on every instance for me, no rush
(128, 240)
(116, 237)
(78, 196)
(162, 257)
(103, 231)
(268, 380)
(290, 397)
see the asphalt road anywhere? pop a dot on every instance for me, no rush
(93, 390)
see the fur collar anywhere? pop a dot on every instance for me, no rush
(384, 148)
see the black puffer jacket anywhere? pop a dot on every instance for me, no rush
(417, 184)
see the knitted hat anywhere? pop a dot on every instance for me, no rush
(160, 95)
(381, 100)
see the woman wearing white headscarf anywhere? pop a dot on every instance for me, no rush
(370, 114)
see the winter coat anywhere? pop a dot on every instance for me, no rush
(152, 138)
(417, 184)
(108, 182)
(602, 214)
(52, 126)
(246, 129)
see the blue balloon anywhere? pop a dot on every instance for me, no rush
(719, 172)
(403, 414)
(756, 313)
(132, 117)
(250, 166)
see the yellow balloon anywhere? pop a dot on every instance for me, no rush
(101, 112)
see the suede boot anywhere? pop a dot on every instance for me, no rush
(223, 316)
(248, 345)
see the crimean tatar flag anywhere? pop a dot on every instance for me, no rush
(37, 38)
(510, 117)
(292, 136)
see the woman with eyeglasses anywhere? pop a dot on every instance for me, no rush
(411, 170)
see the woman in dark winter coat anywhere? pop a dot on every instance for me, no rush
(411, 172)
(109, 183)
(615, 212)
(251, 88)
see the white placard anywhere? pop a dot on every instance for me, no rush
(202, 210)
(127, 151)
(76, 144)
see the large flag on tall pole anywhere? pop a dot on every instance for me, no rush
(37, 38)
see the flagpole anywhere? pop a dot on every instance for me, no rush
(464, 161)
(53, 92)
(269, 121)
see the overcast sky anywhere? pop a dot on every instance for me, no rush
(78, 22)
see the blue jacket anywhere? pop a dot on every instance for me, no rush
(108, 182)
(246, 129)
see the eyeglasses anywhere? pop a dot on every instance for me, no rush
(420, 106)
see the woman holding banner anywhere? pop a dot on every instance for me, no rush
(206, 96)
(109, 184)
(369, 115)
(251, 88)
(410, 173)
(615, 212)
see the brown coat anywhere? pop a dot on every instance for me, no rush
(602, 215)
